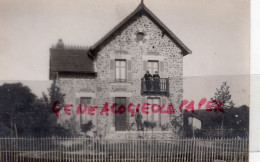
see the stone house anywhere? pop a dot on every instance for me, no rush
(112, 70)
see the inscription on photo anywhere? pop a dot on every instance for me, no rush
(186, 105)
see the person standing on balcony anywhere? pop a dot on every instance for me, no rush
(156, 81)
(147, 78)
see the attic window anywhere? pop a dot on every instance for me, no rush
(140, 36)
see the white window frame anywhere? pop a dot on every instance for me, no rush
(150, 70)
(85, 114)
(120, 79)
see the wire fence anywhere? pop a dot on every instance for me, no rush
(64, 149)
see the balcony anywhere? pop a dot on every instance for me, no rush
(155, 87)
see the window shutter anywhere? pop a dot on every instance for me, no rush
(164, 101)
(113, 115)
(129, 70)
(129, 65)
(127, 101)
(161, 68)
(94, 103)
(77, 101)
(145, 116)
(144, 100)
(145, 65)
(112, 70)
(128, 113)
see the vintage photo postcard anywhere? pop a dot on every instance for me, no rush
(139, 80)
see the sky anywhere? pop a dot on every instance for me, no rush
(217, 32)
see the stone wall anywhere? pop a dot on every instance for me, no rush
(124, 45)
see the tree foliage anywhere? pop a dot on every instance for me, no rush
(177, 125)
(238, 120)
(235, 120)
(15, 97)
(224, 96)
(26, 115)
(54, 94)
(17, 110)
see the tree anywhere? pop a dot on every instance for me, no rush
(54, 94)
(16, 107)
(237, 119)
(223, 95)
(223, 98)
(176, 125)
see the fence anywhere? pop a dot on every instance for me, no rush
(85, 149)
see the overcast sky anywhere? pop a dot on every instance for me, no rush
(217, 32)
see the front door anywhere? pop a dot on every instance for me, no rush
(120, 119)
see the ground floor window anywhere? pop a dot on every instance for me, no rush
(84, 118)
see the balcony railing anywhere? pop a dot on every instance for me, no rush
(155, 87)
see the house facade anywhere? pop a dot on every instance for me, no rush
(112, 71)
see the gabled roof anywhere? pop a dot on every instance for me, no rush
(143, 10)
(70, 60)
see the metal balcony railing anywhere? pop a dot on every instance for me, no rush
(155, 87)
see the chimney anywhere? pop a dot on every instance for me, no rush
(60, 44)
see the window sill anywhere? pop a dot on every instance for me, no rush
(121, 83)
(149, 131)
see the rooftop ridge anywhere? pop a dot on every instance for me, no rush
(71, 47)
(141, 10)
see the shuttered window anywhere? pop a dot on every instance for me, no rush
(120, 70)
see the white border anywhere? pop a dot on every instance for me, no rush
(254, 130)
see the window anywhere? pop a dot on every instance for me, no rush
(140, 36)
(153, 65)
(155, 117)
(120, 70)
(120, 119)
(84, 118)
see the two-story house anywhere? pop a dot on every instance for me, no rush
(112, 71)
